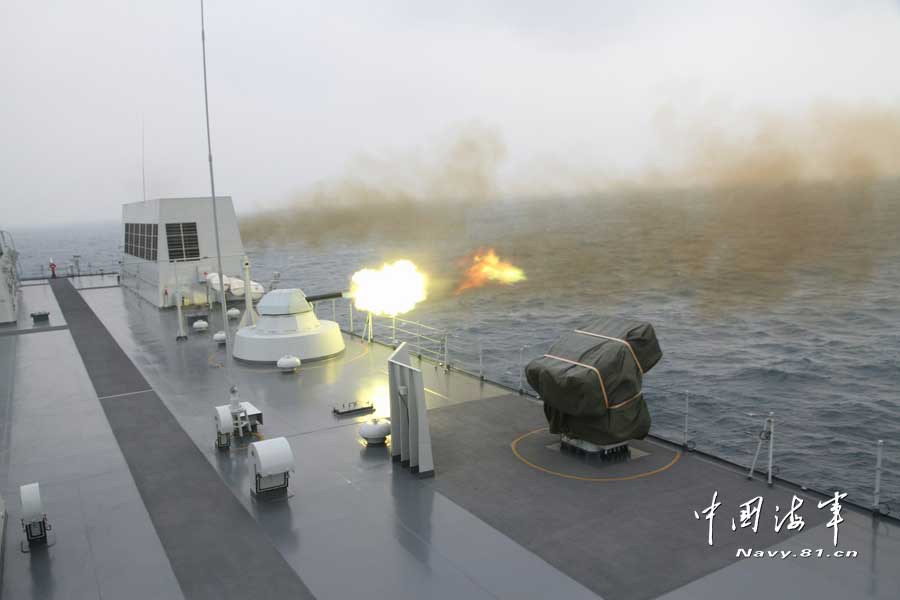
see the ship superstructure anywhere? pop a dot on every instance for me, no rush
(169, 247)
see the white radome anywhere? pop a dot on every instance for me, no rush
(220, 337)
(375, 432)
(200, 325)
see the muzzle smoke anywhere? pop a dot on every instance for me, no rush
(731, 220)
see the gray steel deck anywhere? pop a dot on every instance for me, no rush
(488, 525)
(54, 432)
(213, 544)
(623, 528)
(35, 297)
(354, 526)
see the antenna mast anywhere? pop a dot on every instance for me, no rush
(143, 174)
(212, 187)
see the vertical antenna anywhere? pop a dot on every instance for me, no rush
(212, 187)
(143, 174)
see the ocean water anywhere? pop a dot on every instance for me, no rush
(802, 321)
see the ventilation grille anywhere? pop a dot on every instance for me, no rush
(182, 241)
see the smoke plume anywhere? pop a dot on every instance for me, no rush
(732, 216)
(416, 195)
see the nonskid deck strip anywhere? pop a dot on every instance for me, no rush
(215, 547)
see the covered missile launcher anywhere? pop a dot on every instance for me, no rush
(591, 380)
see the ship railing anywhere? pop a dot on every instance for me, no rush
(422, 340)
(71, 269)
(445, 348)
(749, 439)
(883, 466)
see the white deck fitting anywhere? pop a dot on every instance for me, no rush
(32, 507)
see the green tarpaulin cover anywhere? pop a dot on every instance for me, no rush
(590, 380)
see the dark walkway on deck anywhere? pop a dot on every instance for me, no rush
(214, 545)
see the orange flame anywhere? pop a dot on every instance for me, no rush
(485, 267)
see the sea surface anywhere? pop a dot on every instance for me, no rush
(801, 320)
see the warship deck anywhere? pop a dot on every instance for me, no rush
(115, 420)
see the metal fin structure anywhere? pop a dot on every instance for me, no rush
(250, 316)
(410, 433)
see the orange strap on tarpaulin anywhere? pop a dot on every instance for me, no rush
(594, 369)
(615, 339)
(599, 377)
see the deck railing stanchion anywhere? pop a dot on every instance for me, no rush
(480, 360)
(350, 315)
(522, 369)
(876, 495)
(771, 422)
(446, 352)
(765, 435)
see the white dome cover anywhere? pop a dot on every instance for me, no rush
(284, 302)
(287, 325)
(288, 361)
(32, 506)
(375, 430)
(272, 457)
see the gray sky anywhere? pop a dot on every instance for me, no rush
(297, 90)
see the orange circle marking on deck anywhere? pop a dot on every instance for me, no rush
(515, 450)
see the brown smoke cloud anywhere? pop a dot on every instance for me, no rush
(828, 143)
(413, 195)
(738, 217)
(731, 219)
